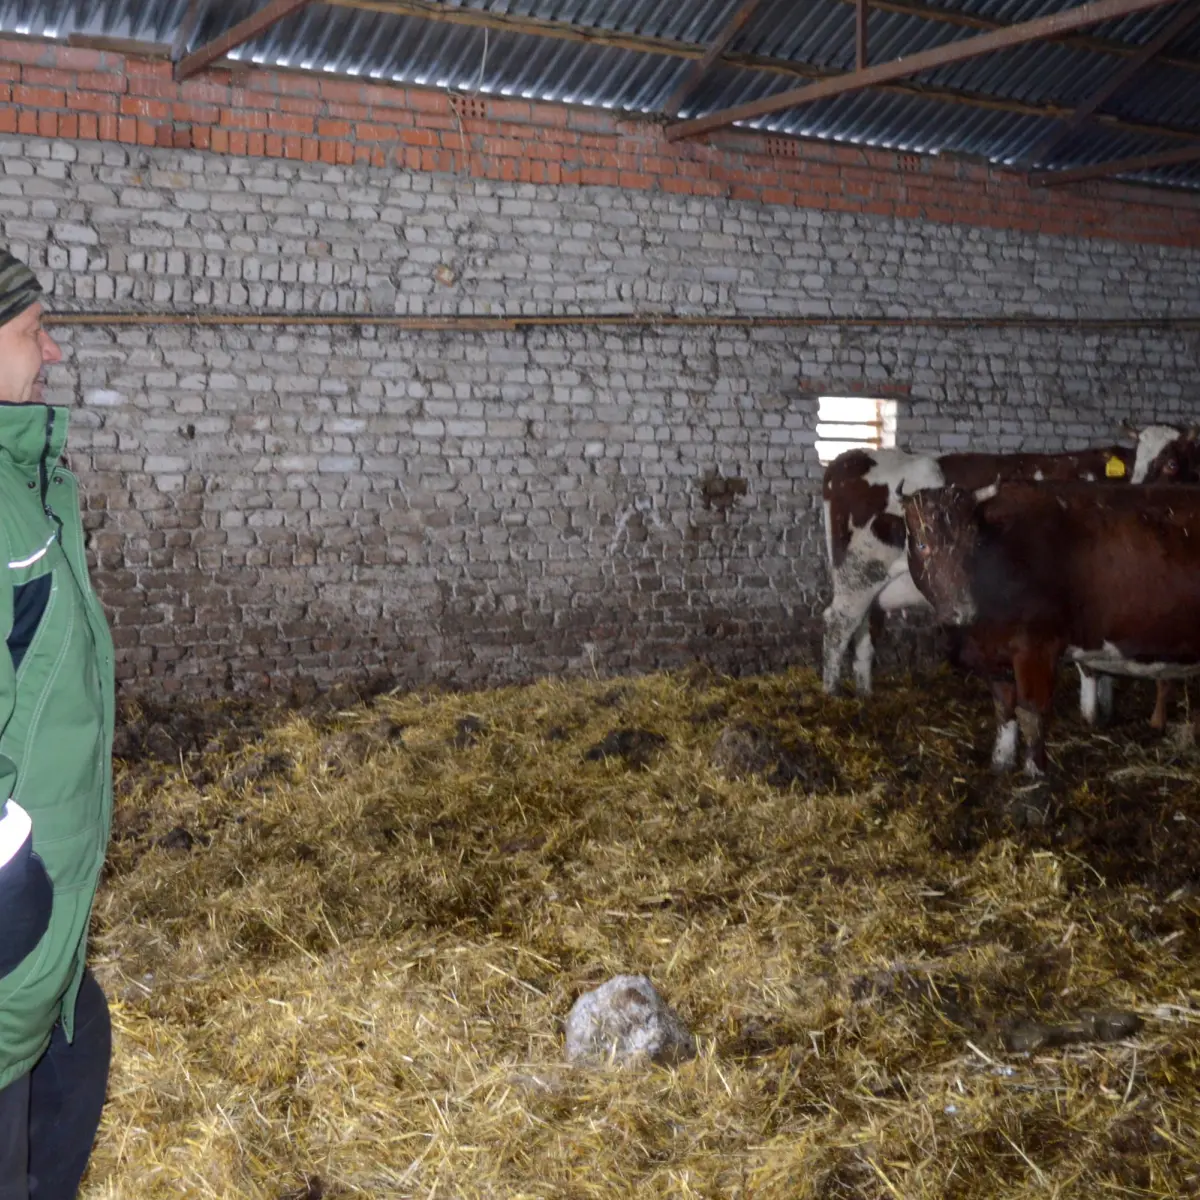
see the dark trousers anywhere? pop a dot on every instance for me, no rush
(49, 1117)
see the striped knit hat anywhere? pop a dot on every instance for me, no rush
(19, 287)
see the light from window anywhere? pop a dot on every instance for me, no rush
(853, 423)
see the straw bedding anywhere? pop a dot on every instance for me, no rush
(340, 943)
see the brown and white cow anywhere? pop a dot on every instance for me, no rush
(864, 529)
(1108, 578)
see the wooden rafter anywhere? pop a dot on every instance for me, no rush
(243, 32)
(1185, 17)
(939, 56)
(736, 22)
(860, 34)
(1119, 166)
(117, 45)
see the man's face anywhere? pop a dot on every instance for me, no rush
(26, 349)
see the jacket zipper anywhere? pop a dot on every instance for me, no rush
(44, 475)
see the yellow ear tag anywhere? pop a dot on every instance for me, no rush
(1114, 468)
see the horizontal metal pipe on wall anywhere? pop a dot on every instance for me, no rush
(484, 324)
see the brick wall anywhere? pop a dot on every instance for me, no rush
(474, 507)
(53, 91)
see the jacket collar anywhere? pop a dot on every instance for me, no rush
(30, 433)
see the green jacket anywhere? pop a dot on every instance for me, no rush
(56, 718)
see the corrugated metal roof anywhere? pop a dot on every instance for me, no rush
(998, 107)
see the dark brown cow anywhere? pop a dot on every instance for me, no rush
(864, 529)
(1105, 577)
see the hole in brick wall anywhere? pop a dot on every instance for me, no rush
(470, 108)
(783, 147)
(909, 162)
(853, 423)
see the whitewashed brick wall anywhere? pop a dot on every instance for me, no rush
(470, 507)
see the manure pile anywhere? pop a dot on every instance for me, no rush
(340, 944)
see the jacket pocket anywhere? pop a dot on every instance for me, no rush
(29, 606)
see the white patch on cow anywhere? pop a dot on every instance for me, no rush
(1038, 475)
(1152, 441)
(1004, 753)
(864, 654)
(1095, 695)
(1089, 477)
(1108, 660)
(828, 534)
(900, 593)
(1087, 696)
(986, 493)
(965, 612)
(899, 472)
(869, 565)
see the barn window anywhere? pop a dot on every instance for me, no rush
(853, 423)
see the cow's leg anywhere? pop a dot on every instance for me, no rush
(844, 619)
(1087, 696)
(1095, 696)
(1034, 669)
(832, 647)
(865, 637)
(1162, 695)
(864, 656)
(1004, 753)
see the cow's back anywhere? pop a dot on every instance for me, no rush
(1097, 464)
(862, 491)
(1116, 565)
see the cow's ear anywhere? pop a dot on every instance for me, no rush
(1130, 430)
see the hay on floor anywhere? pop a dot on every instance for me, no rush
(339, 947)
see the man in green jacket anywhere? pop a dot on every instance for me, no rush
(56, 726)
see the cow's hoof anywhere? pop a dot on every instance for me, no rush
(1029, 806)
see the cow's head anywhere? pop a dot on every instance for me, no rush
(1165, 454)
(943, 532)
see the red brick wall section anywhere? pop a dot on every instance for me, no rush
(49, 90)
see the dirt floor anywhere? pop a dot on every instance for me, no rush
(340, 943)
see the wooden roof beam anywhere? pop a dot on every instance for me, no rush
(1118, 166)
(1185, 17)
(860, 34)
(700, 69)
(939, 56)
(243, 32)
